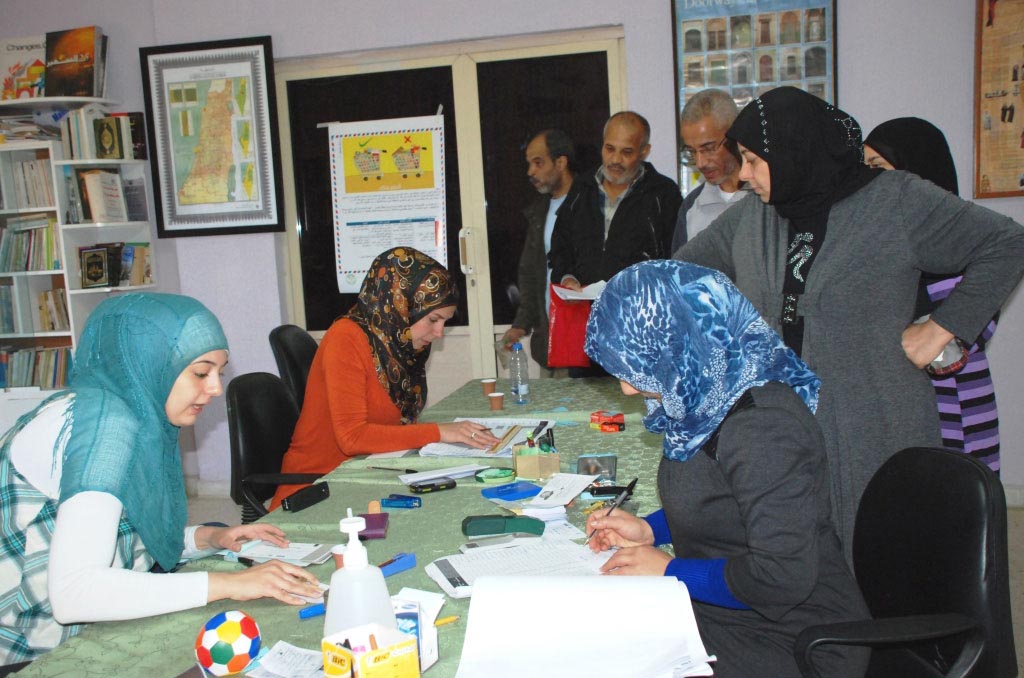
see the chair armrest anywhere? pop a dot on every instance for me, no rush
(891, 631)
(271, 479)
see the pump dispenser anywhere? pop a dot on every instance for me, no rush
(358, 593)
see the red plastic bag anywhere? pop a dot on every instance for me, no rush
(567, 328)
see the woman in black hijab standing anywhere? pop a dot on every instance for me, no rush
(964, 394)
(830, 252)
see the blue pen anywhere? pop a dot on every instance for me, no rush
(312, 611)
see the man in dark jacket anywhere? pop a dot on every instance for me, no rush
(621, 214)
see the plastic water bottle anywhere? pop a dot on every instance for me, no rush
(519, 374)
(358, 592)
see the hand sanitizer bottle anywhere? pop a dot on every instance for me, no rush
(358, 593)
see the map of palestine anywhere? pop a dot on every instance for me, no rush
(213, 148)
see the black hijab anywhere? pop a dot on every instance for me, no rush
(917, 146)
(815, 158)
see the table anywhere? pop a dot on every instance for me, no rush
(163, 646)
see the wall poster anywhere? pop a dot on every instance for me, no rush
(998, 100)
(747, 47)
(388, 189)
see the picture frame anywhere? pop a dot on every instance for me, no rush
(999, 99)
(747, 48)
(213, 137)
(95, 267)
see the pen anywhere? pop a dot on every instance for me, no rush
(615, 504)
(443, 621)
(396, 470)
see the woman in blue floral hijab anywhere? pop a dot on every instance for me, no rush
(743, 480)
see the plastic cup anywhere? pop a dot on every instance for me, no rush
(339, 556)
(497, 400)
(489, 385)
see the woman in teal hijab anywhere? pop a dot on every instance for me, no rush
(93, 490)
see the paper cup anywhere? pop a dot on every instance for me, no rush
(339, 556)
(497, 400)
(489, 385)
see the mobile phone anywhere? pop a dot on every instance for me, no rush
(432, 485)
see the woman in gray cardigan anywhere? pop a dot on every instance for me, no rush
(830, 253)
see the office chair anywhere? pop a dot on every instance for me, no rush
(293, 349)
(930, 557)
(261, 418)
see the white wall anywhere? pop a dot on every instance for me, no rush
(914, 57)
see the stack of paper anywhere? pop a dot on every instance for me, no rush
(551, 638)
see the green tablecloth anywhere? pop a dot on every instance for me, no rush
(163, 646)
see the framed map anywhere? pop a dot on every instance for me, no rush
(213, 133)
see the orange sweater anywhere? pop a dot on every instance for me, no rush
(346, 411)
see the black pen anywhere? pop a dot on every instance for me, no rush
(396, 470)
(615, 504)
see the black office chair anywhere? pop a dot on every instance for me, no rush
(261, 418)
(930, 556)
(293, 349)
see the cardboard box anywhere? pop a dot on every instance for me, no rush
(376, 652)
(535, 466)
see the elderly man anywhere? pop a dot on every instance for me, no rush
(705, 119)
(550, 157)
(618, 215)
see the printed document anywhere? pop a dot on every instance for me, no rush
(509, 432)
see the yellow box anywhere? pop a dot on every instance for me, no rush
(535, 466)
(376, 652)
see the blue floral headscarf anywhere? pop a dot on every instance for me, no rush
(685, 332)
(131, 351)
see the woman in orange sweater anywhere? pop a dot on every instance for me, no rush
(368, 384)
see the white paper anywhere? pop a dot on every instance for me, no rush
(287, 661)
(562, 529)
(666, 644)
(297, 553)
(448, 472)
(510, 431)
(590, 292)
(560, 489)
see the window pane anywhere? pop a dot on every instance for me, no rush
(519, 98)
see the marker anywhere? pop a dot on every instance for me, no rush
(396, 470)
(443, 621)
(312, 611)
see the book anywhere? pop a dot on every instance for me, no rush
(136, 124)
(108, 138)
(105, 195)
(22, 67)
(135, 198)
(140, 273)
(72, 62)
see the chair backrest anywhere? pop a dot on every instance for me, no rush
(261, 419)
(930, 537)
(293, 349)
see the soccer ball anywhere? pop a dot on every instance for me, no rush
(227, 643)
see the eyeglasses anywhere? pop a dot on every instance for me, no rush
(689, 155)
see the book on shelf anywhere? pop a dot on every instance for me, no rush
(114, 253)
(103, 195)
(53, 313)
(29, 243)
(47, 368)
(78, 131)
(33, 186)
(22, 67)
(135, 264)
(133, 128)
(75, 61)
(6, 309)
(108, 139)
(135, 198)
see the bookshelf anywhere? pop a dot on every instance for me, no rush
(44, 298)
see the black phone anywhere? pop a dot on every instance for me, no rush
(432, 485)
(306, 497)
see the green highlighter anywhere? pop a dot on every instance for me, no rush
(478, 526)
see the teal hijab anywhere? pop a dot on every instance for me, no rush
(131, 351)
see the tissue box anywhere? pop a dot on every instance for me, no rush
(535, 466)
(373, 651)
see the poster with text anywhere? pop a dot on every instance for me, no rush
(388, 189)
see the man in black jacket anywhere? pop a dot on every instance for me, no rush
(621, 214)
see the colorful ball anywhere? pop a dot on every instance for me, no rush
(227, 643)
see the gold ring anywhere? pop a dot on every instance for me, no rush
(473, 436)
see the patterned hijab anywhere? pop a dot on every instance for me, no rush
(686, 333)
(132, 350)
(402, 286)
(917, 146)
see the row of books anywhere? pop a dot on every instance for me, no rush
(29, 243)
(116, 264)
(33, 185)
(103, 195)
(52, 307)
(43, 367)
(93, 132)
(7, 310)
(67, 63)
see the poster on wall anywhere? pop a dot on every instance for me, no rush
(747, 47)
(998, 99)
(388, 189)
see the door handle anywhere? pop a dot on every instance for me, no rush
(467, 268)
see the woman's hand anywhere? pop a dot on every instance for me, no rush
(272, 579)
(637, 560)
(232, 538)
(620, 528)
(468, 433)
(923, 342)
